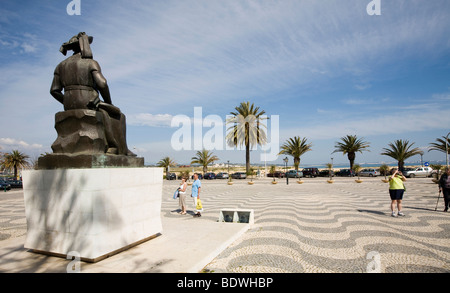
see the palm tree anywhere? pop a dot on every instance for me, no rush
(204, 158)
(401, 150)
(295, 147)
(14, 160)
(166, 163)
(350, 145)
(440, 145)
(384, 170)
(357, 168)
(246, 129)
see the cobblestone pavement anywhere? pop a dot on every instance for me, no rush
(311, 227)
(341, 227)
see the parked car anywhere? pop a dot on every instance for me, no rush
(277, 174)
(239, 175)
(311, 172)
(15, 183)
(369, 173)
(209, 175)
(345, 173)
(222, 175)
(294, 174)
(171, 176)
(418, 172)
(4, 186)
(200, 176)
(326, 173)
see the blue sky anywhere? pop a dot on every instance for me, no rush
(326, 68)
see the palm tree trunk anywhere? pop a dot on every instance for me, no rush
(247, 158)
(247, 147)
(296, 163)
(351, 158)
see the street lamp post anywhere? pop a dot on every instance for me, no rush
(287, 178)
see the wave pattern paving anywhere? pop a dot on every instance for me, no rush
(328, 228)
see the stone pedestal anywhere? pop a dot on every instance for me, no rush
(95, 212)
(84, 161)
(80, 131)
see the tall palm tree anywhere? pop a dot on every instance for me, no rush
(349, 146)
(166, 163)
(401, 150)
(14, 160)
(295, 147)
(204, 158)
(246, 129)
(440, 145)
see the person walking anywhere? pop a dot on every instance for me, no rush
(196, 188)
(444, 187)
(396, 190)
(182, 196)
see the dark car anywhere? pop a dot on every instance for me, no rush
(326, 173)
(209, 175)
(311, 172)
(5, 185)
(345, 173)
(200, 176)
(294, 174)
(171, 176)
(277, 174)
(222, 175)
(15, 183)
(239, 175)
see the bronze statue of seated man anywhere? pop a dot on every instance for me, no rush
(81, 79)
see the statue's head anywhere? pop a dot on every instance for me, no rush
(78, 43)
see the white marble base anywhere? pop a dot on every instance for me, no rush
(95, 212)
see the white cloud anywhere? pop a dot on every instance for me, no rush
(411, 121)
(153, 120)
(15, 143)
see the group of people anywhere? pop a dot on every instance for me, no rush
(397, 189)
(182, 191)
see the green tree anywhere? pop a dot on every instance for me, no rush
(14, 160)
(384, 170)
(440, 145)
(272, 170)
(349, 146)
(204, 158)
(401, 150)
(357, 168)
(166, 163)
(295, 147)
(246, 129)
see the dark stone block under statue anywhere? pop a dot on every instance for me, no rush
(91, 132)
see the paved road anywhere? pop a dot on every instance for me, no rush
(311, 227)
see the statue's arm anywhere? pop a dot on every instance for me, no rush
(100, 81)
(56, 88)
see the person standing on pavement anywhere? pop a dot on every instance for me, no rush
(196, 188)
(182, 195)
(444, 186)
(396, 190)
